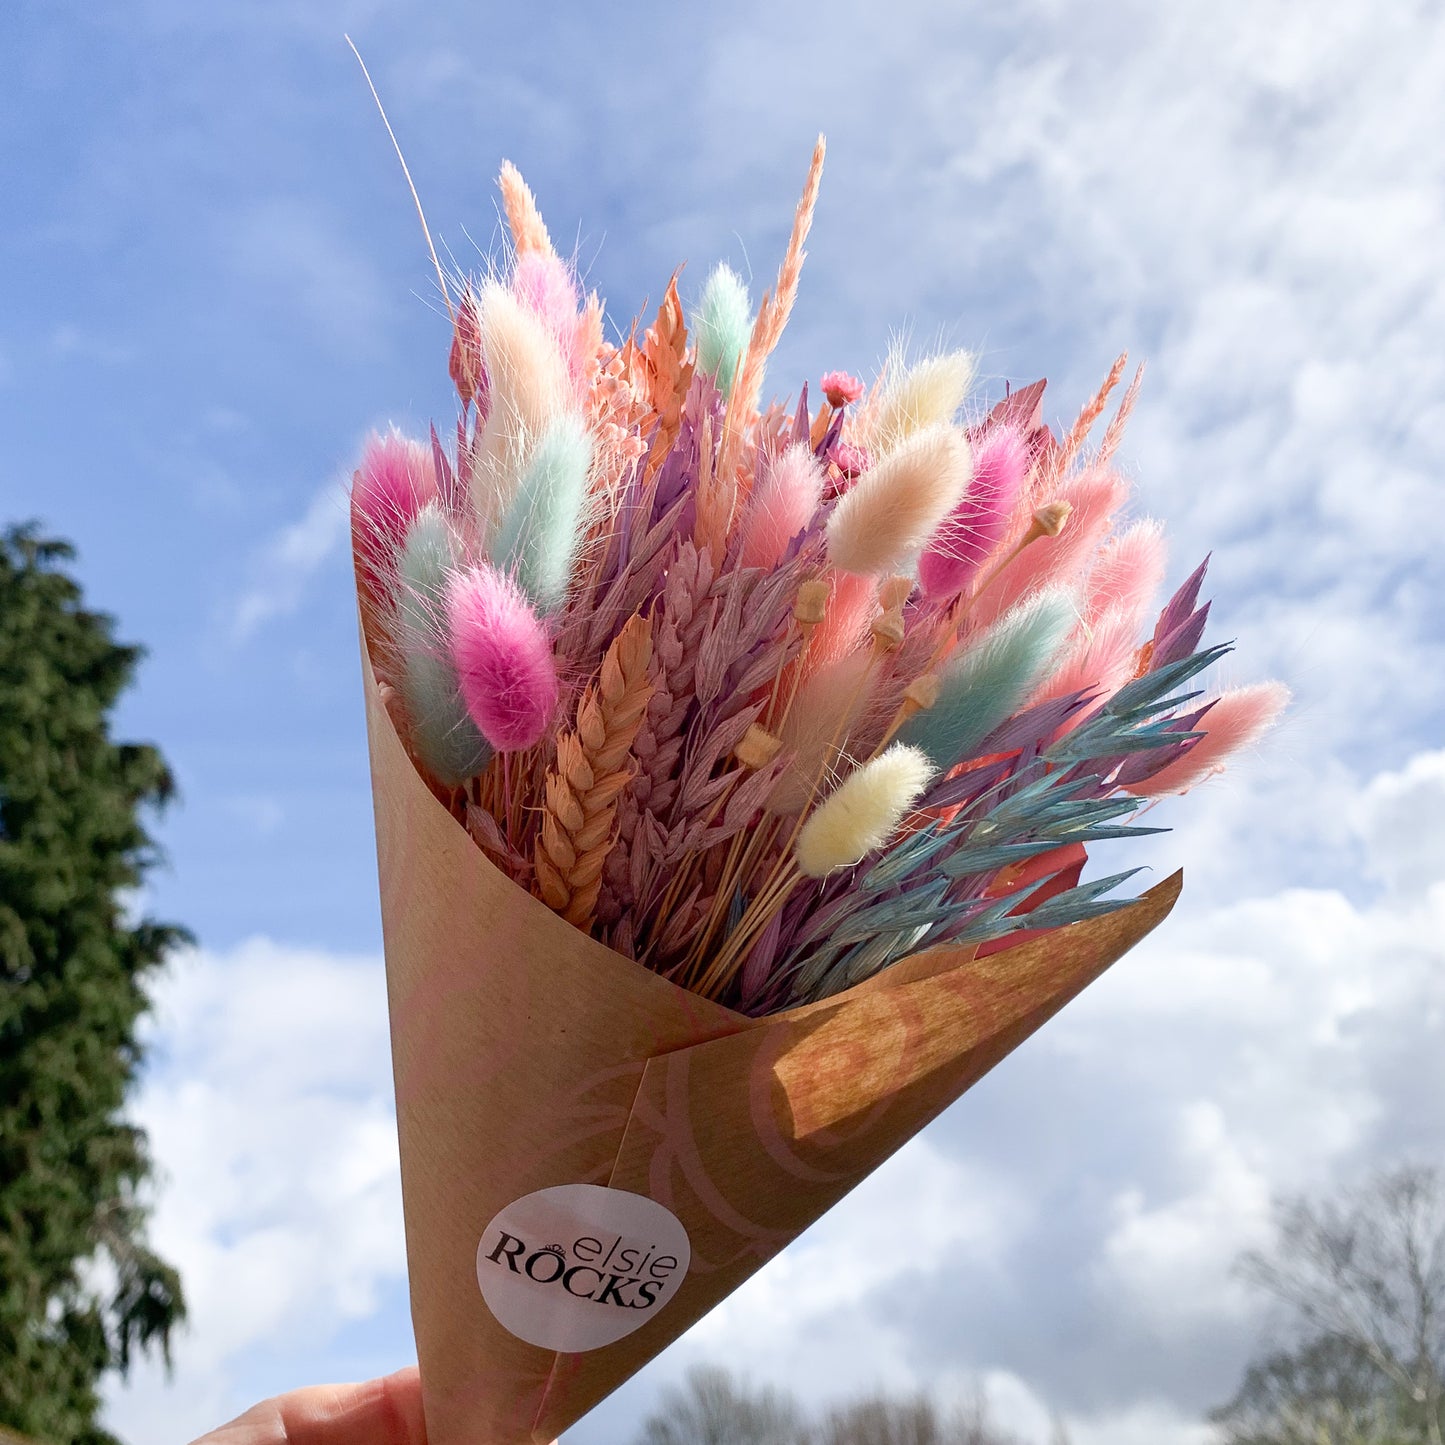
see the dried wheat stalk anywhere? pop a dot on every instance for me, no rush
(666, 372)
(772, 317)
(593, 767)
(524, 220)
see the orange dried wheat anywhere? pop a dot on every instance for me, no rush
(593, 767)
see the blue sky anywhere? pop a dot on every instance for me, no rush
(213, 285)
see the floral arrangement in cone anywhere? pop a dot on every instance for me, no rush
(763, 714)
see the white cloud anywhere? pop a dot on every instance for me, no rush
(1172, 1259)
(268, 1106)
(289, 560)
(1398, 816)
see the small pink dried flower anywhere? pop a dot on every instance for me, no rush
(840, 388)
(852, 461)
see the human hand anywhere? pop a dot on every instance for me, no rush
(380, 1412)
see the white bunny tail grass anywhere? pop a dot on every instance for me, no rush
(881, 525)
(927, 394)
(864, 811)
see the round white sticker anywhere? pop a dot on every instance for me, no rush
(578, 1266)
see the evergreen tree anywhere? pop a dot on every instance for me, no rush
(80, 1290)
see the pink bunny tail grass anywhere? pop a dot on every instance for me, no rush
(782, 504)
(503, 658)
(977, 525)
(1095, 496)
(1236, 719)
(395, 480)
(851, 608)
(544, 284)
(1127, 573)
(547, 286)
(1099, 660)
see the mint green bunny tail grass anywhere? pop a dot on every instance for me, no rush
(543, 526)
(723, 323)
(994, 678)
(442, 732)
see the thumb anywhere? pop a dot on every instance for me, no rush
(379, 1412)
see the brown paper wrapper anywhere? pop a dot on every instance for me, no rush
(528, 1055)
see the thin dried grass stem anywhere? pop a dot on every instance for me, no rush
(777, 306)
(1114, 432)
(1092, 409)
(411, 184)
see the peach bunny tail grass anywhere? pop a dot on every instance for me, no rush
(593, 767)
(1235, 720)
(864, 811)
(530, 385)
(852, 605)
(815, 731)
(524, 220)
(1127, 573)
(782, 505)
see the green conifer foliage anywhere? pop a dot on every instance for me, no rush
(80, 1290)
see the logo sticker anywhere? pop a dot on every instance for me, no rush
(578, 1266)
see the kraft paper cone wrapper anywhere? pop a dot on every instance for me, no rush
(527, 1055)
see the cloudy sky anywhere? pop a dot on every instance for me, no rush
(212, 285)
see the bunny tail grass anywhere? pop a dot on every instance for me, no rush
(978, 523)
(815, 731)
(503, 658)
(1093, 496)
(993, 678)
(722, 325)
(864, 811)
(441, 731)
(782, 504)
(530, 384)
(395, 480)
(925, 395)
(1127, 573)
(543, 526)
(893, 510)
(1233, 721)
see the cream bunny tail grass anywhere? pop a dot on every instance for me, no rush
(864, 811)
